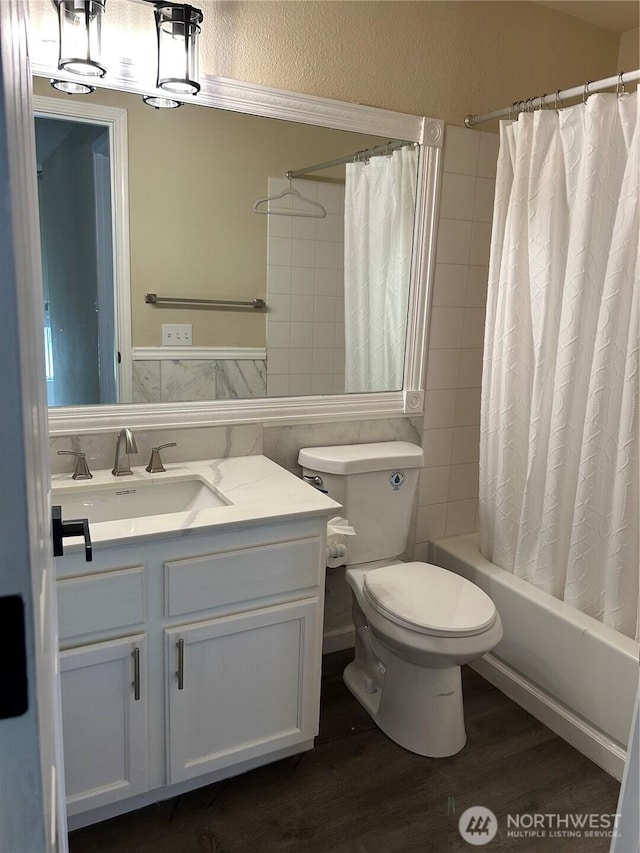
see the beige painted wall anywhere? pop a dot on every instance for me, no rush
(194, 175)
(629, 55)
(443, 59)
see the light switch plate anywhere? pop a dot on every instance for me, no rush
(176, 335)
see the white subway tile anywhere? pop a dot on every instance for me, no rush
(470, 373)
(434, 486)
(322, 361)
(488, 154)
(324, 309)
(306, 188)
(483, 201)
(278, 280)
(466, 445)
(279, 251)
(476, 292)
(304, 228)
(461, 517)
(303, 253)
(473, 328)
(463, 482)
(445, 329)
(301, 334)
(436, 445)
(322, 383)
(277, 386)
(467, 410)
(330, 197)
(279, 226)
(442, 368)
(303, 280)
(277, 333)
(301, 360)
(324, 335)
(431, 522)
(439, 408)
(457, 197)
(300, 384)
(330, 228)
(449, 285)
(480, 246)
(301, 308)
(454, 241)
(461, 148)
(277, 361)
(326, 282)
(327, 255)
(279, 307)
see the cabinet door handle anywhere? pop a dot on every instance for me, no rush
(135, 654)
(180, 670)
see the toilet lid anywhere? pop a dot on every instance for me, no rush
(429, 599)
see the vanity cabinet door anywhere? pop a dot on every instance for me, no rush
(242, 686)
(104, 722)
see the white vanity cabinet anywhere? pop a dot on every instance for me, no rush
(186, 659)
(104, 722)
(104, 695)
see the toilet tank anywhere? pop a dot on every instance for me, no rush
(376, 485)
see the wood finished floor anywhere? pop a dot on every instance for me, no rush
(358, 792)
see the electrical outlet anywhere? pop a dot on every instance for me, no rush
(176, 335)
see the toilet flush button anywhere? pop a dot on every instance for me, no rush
(396, 479)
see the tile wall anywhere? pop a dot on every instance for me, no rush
(305, 293)
(448, 493)
(179, 380)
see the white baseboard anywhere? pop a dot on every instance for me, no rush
(588, 740)
(338, 639)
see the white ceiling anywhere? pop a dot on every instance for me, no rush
(617, 15)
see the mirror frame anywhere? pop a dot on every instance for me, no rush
(237, 96)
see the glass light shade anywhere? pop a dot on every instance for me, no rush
(72, 88)
(178, 27)
(161, 103)
(80, 28)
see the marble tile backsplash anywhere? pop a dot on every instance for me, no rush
(183, 380)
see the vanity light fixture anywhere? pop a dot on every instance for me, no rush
(177, 27)
(160, 103)
(72, 88)
(80, 32)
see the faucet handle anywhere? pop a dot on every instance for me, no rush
(81, 471)
(155, 465)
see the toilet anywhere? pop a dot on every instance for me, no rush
(416, 624)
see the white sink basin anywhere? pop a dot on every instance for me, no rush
(122, 499)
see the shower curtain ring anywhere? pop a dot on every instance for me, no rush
(543, 102)
(620, 90)
(557, 105)
(585, 93)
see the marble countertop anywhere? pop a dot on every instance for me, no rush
(255, 489)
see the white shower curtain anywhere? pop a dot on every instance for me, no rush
(380, 198)
(559, 424)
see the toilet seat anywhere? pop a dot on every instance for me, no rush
(428, 599)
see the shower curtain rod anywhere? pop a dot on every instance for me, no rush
(359, 156)
(531, 103)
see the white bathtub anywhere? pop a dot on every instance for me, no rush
(567, 669)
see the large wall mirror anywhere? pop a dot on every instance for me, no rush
(339, 256)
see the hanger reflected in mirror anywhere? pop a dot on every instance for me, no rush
(314, 209)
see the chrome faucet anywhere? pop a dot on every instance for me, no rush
(122, 466)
